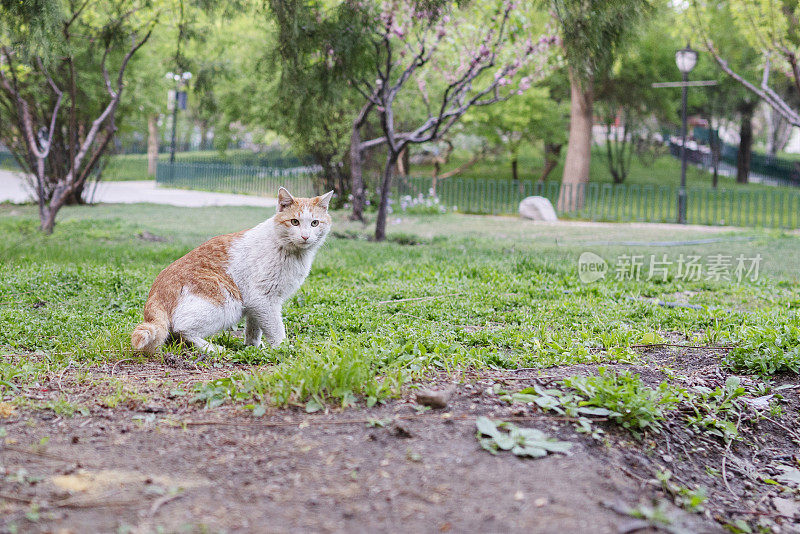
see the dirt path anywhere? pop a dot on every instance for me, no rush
(176, 467)
(13, 189)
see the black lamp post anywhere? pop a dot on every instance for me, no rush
(686, 59)
(180, 80)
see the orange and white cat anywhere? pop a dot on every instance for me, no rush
(246, 274)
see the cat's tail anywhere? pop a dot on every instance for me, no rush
(150, 335)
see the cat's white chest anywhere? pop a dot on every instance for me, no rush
(279, 278)
(263, 272)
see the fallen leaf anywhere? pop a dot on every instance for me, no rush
(7, 410)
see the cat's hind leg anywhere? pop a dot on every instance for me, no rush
(196, 318)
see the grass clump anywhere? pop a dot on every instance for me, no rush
(630, 402)
(767, 349)
(338, 371)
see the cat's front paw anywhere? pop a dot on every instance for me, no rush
(277, 343)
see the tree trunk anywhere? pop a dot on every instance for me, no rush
(552, 153)
(48, 222)
(328, 178)
(579, 146)
(383, 208)
(715, 154)
(356, 177)
(514, 173)
(152, 144)
(745, 144)
(778, 131)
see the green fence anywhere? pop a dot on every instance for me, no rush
(781, 169)
(770, 207)
(763, 207)
(264, 181)
(772, 166)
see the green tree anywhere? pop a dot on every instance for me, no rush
(316, 49)
(626, 103)
(592, 34)
(459, 57)
(519, 121)
(770, 27)
(730, 100)
(59, 96)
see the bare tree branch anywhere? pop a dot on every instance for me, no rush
(765, 93)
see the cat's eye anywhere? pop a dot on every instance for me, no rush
(295, 222)
(314, 223)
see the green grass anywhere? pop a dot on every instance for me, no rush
(630, 402)
(507, 296)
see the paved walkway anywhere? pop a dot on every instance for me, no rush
(14, 189)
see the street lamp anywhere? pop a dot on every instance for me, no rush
(686, 59)
(178, 101)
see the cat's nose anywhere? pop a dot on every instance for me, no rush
(305, 237)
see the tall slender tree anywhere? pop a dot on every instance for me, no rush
(592, 33)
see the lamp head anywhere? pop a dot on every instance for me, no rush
(686, 59)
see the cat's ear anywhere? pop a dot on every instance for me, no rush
(284, 199)
(325, 200)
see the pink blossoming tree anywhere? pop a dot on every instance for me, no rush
(451, 59)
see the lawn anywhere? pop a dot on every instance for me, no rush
(678, 373)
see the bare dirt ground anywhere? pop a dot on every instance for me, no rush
(166, 464)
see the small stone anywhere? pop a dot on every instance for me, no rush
(519, 496)
(788, 507)
(435, 398)
(537, 209)
(541, 501)
(7, 410)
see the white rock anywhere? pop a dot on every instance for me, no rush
(537, 208)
